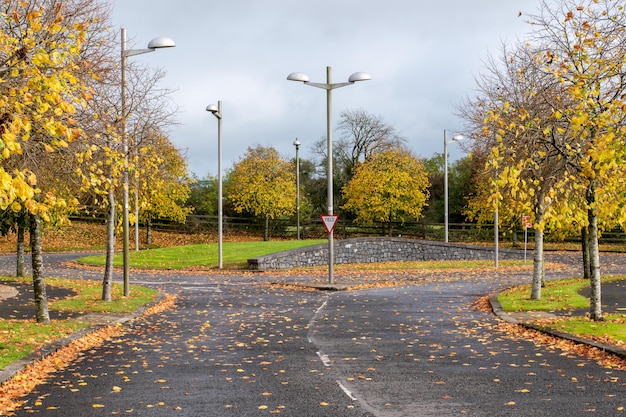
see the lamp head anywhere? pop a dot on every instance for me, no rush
(458, 137)
(212, 108)
(298, 76)
(161, 42)
(296, 143)
(359, 76)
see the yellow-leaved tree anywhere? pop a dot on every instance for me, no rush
(390, 185)
(556, 133)
(40, 56)
(163, 182)
(263, 184)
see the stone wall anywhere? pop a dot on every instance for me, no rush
(378, 249)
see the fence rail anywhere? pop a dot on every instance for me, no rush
(286, 228)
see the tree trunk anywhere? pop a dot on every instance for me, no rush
(585, 247)
(266, 236)
(595, 298)
(537, 266)
(39, 284)
(21, 225)
(107, 280)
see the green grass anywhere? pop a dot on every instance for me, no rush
(613, 326)
(564, 295)
(19, 338)
(556, 295)
(235, 255)
(90, 294)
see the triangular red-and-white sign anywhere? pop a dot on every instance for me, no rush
(329, 221)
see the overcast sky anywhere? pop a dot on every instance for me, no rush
(422, 55)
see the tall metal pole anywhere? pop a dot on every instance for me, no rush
(297, 145)
(125, 225)
(329, 86)
(220, 208)
(496, 222)
(329, 136)
(153, 45)
(445, 184)
(137, 215)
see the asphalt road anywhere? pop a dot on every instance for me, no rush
(234, 345)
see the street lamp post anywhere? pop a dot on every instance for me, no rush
(329, 86)
(445, 179)
(153, 45)
(217, 112)
(496, 223)
(296, 143)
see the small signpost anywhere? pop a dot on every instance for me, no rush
(527, 224)
(329, 220)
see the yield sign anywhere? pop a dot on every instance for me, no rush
(329, 221)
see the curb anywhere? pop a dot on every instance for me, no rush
(496, 308)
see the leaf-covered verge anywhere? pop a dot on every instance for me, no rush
(565, 295)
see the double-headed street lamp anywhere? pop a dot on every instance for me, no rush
(217, 112)
(445, 179)
(153, 45)
(329, 86)
(296, 143)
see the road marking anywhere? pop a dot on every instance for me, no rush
(346, 391)
(313, 320)
(324, 358)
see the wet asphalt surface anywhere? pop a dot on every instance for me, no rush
(235, 345)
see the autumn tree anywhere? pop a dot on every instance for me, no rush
(163, 182)
(148, 109)
(577, 50)
(390, 185)
(587, 43)
(262, 183)
(40, 43)
(511, 118)
(359, 135)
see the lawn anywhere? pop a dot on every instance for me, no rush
(556, 295)
(564, 295)
(235, 255)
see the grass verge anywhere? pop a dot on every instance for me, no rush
(19, 338)
(556, 295)
(234, 255)
(565, 295)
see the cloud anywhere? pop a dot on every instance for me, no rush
(422, 56)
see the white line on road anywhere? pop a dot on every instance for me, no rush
(346, 390)
(312, 322)
(324, 358)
